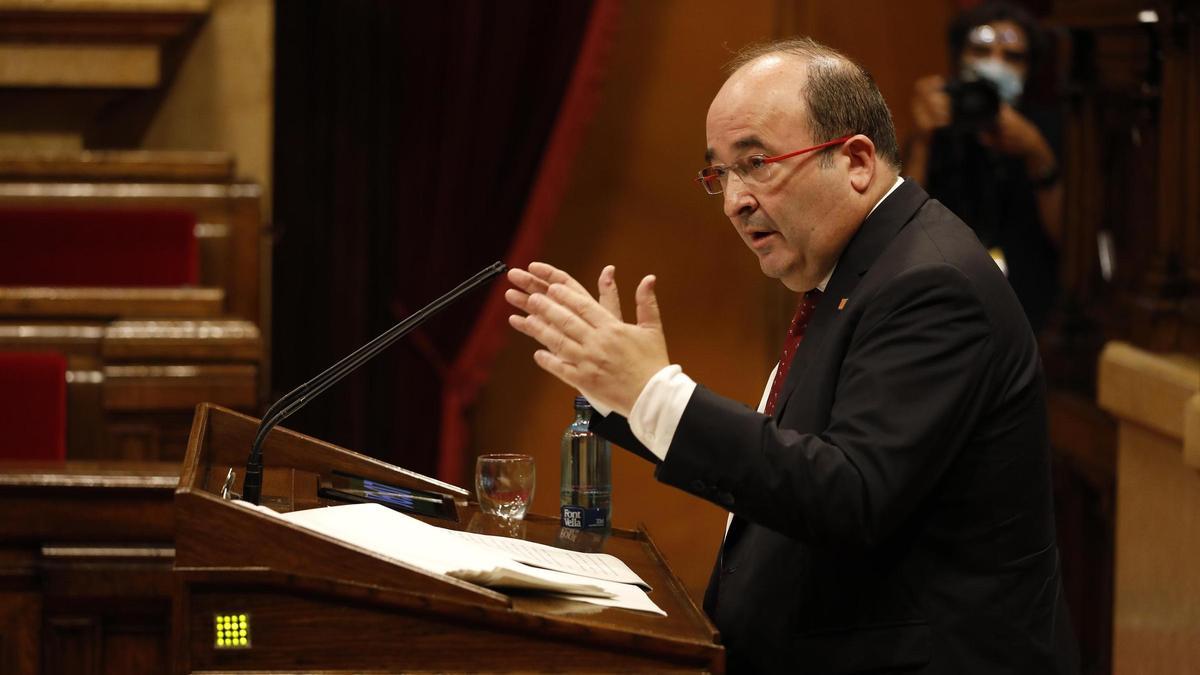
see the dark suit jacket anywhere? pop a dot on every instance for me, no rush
(896, 513)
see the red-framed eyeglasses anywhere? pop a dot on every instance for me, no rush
(752, 168)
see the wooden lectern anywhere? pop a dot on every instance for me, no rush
(312, 603)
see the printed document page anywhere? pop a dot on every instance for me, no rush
(592, 565)
(402, 538)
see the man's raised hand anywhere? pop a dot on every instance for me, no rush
(586, 344)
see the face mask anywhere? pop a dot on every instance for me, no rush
(1007, 80)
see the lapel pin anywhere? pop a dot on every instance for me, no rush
(842, 304)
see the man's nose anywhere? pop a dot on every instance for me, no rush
(739, 201)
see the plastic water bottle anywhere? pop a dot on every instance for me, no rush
(586, 474)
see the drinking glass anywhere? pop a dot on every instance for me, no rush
(504, 484)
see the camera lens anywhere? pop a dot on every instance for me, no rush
(974, 104)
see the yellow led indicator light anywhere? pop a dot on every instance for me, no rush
(232, 631)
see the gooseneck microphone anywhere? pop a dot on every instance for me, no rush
(298, 397)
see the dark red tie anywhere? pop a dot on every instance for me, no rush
(808, 305)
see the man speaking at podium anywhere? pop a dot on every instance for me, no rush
(890, 500)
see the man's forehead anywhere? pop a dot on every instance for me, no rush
(763, 76)
(759, 101)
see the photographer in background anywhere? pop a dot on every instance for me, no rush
(990, 157)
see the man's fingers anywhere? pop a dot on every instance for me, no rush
(517, 299)
(563, 316)
(606, 288)
(526, 281)
(647, 304)
(581, 305)
(555, 366)
(550, 337)
(549, 274)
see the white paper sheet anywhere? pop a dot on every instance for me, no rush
(401, 538)
(626, 596)
(592, 565)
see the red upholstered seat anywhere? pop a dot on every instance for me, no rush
(97, 247)
(33, 405)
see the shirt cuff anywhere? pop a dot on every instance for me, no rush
(657, 410)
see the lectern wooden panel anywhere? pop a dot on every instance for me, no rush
(314, 603)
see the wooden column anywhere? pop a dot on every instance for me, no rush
(1156, 399)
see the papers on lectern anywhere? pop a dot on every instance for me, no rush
(472, 558)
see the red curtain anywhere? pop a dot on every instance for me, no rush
(467, 375)
(410, 141)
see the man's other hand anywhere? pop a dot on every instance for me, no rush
(586, 343)
(931, 106)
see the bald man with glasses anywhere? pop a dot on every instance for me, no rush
(890, 499)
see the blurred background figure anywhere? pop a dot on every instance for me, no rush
(982, 149)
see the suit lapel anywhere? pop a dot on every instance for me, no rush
(876, 232)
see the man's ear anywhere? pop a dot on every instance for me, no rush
(863, 162)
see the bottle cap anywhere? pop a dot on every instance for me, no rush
(581, 402)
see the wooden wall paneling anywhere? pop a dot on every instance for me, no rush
(109, 600)
(1156, 319)
(100, 602)
(1082, 159)
(116, 636)
(71, 644)
(138, 646)
(20, 631)
(1127, 97)
(1079, 271)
